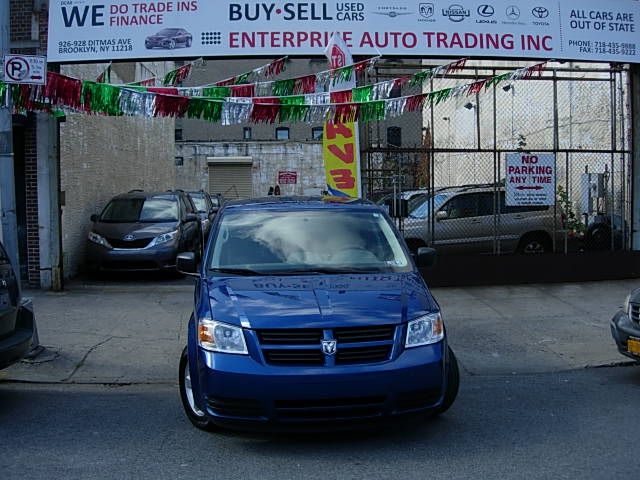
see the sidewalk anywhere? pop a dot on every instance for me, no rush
(133, 332)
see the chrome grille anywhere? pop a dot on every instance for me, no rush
(302, 347)
(137, 243)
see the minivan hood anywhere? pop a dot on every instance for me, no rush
(323, 301)
(139, 230)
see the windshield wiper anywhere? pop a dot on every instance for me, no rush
(237, 271)
(324, 271)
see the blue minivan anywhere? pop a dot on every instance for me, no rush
(311, 312)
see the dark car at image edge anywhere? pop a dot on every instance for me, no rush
(625, 327)
(17, 324)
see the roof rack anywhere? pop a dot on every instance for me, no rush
(135, 190)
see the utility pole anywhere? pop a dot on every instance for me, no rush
(7, 176)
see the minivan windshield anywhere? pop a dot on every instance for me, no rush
(157, 209)
(199, 201)
(432, 204)
(306, 242)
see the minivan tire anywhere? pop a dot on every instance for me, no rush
(197, 418)
(453, 384)
(535, 243)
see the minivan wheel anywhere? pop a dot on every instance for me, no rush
(196, 416)
(453, 384)
(534, 244)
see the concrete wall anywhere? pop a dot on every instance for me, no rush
(216, 70)
(268, 158)
(103, 156)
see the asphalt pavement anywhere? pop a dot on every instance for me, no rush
(580, 424)
(131, 330)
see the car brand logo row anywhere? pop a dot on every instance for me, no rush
(458, 13)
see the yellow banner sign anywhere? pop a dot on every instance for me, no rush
(341, 159)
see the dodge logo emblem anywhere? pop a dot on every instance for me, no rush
(329, 347)
(129, 238)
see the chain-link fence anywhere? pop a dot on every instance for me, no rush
(450, 160)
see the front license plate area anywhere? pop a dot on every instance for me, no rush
(633, 346)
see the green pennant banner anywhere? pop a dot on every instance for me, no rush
(216, 92)
(101, 98)
(373, 111)
(293, 113)
(295, 100)
(363, 94)
(283, 88)
(204, 109)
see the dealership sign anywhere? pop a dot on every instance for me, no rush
(530, 179)
(126, 29)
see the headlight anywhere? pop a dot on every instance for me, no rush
(164, 238)
(425, 330)
(627, 305)
(99, 239)
(221, 337)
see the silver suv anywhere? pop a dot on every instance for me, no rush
(467, 221)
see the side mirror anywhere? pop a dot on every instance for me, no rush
(442, 215)
(94, 218)
(191, 217)
(398, 209)
(426, 257)
(186, 263)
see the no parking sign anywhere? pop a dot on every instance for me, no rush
(531, 179)
(25, 69)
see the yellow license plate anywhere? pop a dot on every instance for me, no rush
(633, 346)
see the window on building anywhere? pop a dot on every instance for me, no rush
(179, 161)
(394, 137)
(282, 133)
(246, 133)
(178, 134)
(316, 133)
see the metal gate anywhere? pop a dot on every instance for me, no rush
(451, 158)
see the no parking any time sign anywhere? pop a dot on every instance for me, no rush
(531, 179)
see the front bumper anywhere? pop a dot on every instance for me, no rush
(17, 345)
(621, 329)
(236, 391)
(134, 259)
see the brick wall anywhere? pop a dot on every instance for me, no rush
(30, 43)
(31, 188)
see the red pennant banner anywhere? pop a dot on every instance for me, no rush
(342, 96)
(248, 90)
(63, 90)
(276, 67)
(163, 90)
(476, 87)
(265, 110)
(415, 102)
(305, 85)
(170, 106)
